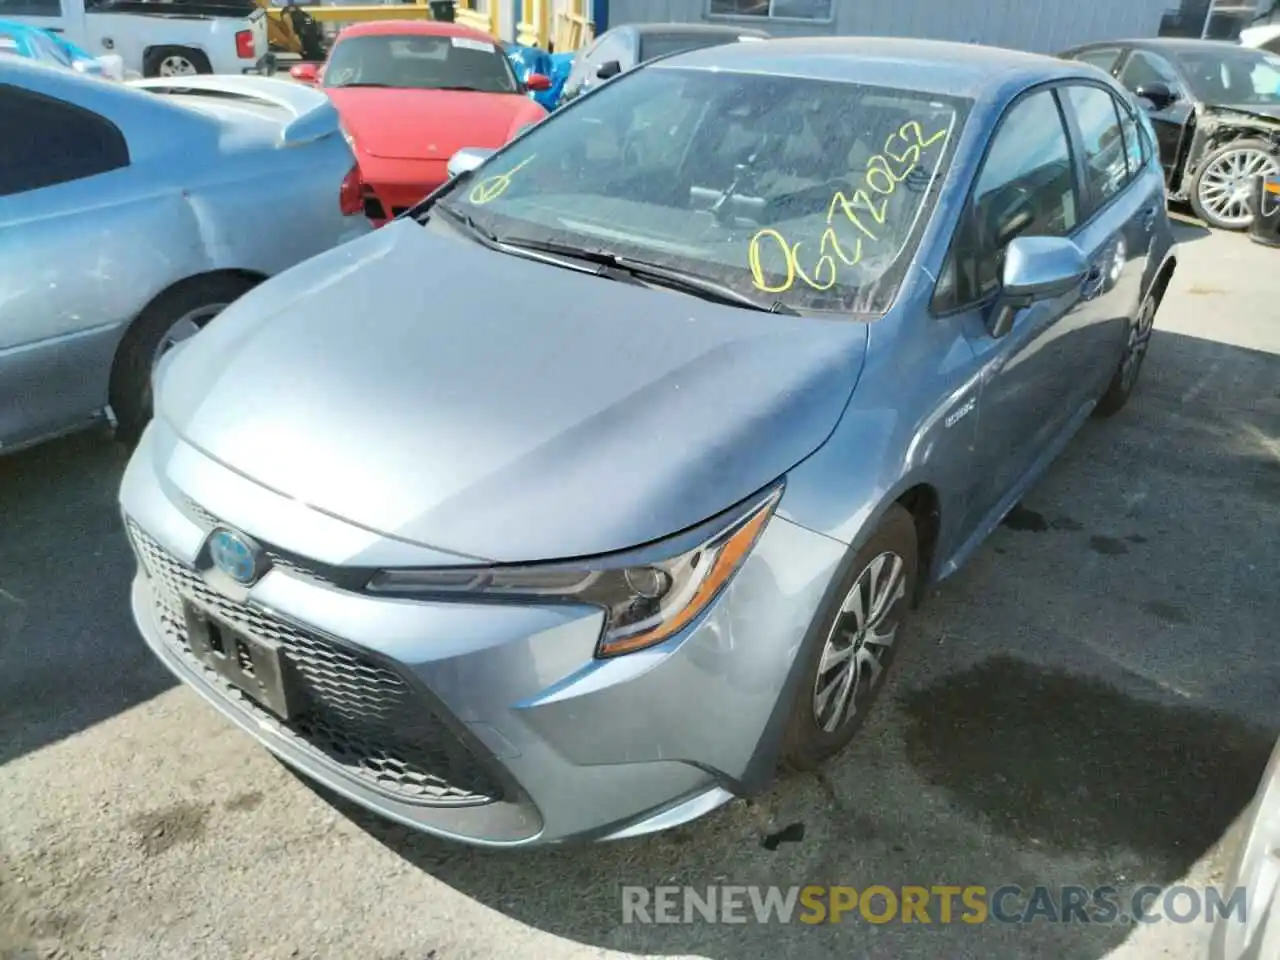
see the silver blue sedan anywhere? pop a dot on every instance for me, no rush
(132, 213)
(572, 503)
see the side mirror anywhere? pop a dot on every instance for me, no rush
(305, 73)
(467, 159)
(1035, 268)
(537, 82)
(610, 68)
(1159, 95)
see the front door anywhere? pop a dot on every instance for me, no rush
(1027, 187)
(1169, 120)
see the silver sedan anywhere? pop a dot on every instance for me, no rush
(649, 431)
(130, 214)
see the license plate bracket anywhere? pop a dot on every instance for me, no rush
(255, 666)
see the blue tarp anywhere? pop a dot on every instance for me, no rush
(25, 41)
(556, 66)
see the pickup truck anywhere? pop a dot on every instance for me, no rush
(158, 38)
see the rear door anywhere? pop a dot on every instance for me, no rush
(1143, 68)
(1117, 214)
(56, 243)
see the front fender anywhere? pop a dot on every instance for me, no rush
(896, 435)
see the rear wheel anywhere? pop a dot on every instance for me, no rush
(861, 632)
(1222, 191)
(177, 314)
(175, 62)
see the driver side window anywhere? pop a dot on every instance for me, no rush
(1026, 187)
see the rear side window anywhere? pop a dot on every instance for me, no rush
(1105, 159)
(49, 141)
(1026, 188)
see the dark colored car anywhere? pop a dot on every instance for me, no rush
(623, 48)
(1215, 108)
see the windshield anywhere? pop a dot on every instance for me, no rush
(808, 192)
(419, 62)
(1233, 75)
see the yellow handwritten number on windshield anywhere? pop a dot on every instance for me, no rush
(880, 181)
(491, 188)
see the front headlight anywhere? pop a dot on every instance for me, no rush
(644, 604)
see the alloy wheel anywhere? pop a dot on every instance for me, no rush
(185, 327)
(1226, 186)
(863, 634)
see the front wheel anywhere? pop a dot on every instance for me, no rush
(178, 313)
(861, 631)
(1222, 191)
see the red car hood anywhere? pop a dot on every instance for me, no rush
(427, 124)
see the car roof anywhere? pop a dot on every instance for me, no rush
(1167, 44)
(421, 28)
(932, 66)
(695, 29)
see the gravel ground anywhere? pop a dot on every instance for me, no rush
(1090, 701)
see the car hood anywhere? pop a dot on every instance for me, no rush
(530, 413)
(1267, 112)
(426, 124)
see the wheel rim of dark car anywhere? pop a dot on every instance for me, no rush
(863, 632)
(1226, 186)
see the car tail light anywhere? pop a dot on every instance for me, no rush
(244, 45)
(350, 197)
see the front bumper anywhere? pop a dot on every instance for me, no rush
(1265, 228)
(489, 724)
(393, 186)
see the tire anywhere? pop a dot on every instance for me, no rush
(177, 313)
(162, 61)
(1237, 162)
(815, 735)
(1126, 376)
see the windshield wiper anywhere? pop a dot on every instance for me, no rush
(463, 87)
(653, 273)
(359, 83)
(487, 237)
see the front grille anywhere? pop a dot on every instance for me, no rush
(360, 716)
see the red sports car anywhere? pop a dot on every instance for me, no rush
(411, 93)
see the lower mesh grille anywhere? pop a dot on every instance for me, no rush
(359, 716)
